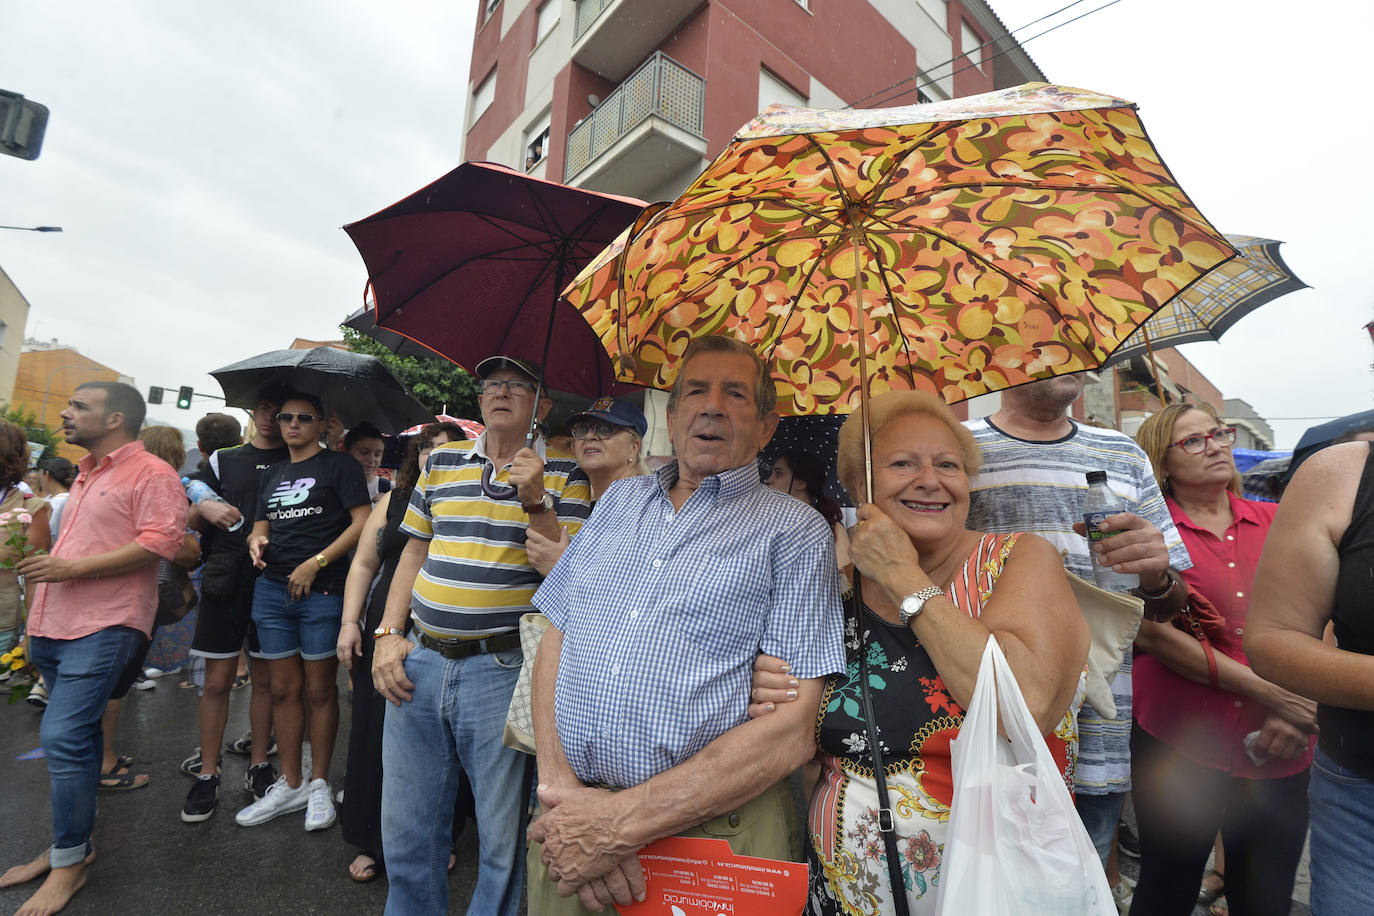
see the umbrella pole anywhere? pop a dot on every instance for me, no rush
(548, 339)
(1154, 369)
(863, 374)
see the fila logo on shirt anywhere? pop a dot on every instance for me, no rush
(291, 493)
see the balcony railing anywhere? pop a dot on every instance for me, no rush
(662, 87)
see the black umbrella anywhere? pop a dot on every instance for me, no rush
(354, 386)
(1319, 437)
(364, 321)
(818, 436)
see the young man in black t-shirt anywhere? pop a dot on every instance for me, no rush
(311, 509)
(223, 620)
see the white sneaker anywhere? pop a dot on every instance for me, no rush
(319, 812)
(279, 799)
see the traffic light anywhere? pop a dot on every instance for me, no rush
(154, 395)
(22, 123)
(184, 397)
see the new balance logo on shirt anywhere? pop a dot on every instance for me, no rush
(291, 493)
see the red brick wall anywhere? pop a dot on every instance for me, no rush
(512, 52)
(1186, 375)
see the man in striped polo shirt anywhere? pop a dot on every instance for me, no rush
(463, 581)
(1035, 462)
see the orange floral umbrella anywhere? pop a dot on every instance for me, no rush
(959, 247)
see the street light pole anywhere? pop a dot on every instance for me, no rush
(34, 228)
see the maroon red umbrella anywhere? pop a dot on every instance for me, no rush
(472, 266)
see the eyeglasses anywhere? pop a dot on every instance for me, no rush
(600, 429)
(1196, 445)
(513, 385)
(305, 418)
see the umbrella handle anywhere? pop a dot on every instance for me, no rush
(495, 490)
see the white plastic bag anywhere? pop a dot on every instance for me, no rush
(1015, 846)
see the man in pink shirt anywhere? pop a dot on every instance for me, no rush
(94, 598)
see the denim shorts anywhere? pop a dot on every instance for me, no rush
(287, 626)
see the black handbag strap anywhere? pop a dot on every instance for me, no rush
(887, 825)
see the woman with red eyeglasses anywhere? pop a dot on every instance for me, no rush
(1214, 747)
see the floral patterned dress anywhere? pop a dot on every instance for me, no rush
(916, 720)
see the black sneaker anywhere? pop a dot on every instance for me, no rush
(258, 778)
(243, 745)
(1127, 841)
(200, 801)
(192, 765)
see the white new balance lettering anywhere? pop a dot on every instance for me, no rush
(291, 492)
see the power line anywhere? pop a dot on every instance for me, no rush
(927, 81)
(967, 51)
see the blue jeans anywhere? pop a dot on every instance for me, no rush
(1342, 840)
(1099, 814)
(80, 673)
(456, 716)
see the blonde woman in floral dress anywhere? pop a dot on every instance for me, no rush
(921, 672)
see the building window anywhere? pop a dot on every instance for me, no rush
(548, 18)
(4, 332)
(937, 10)
(492, 5)
(483, 97)
(804, 4)
(774, 91)
(537, 143)
(972, 45)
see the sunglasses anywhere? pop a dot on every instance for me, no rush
(600, 430)
(305, 418)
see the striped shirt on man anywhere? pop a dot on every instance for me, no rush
(477, 580)
(1039, 487)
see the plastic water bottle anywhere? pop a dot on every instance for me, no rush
(198, 491)
(1099, 503)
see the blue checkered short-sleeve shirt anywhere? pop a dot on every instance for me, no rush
(663, 612)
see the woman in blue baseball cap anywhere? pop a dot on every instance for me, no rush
(608, 441)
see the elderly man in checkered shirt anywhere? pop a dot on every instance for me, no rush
(658, 609)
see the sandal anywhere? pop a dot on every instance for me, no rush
(366, 873)
(121, 778)
(240, 680)
(1205, 894)
(123, 763)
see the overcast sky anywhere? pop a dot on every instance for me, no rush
(201, 159)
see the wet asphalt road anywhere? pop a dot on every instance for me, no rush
(149, 862)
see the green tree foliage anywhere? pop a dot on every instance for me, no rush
(37, 432)
(440, 385)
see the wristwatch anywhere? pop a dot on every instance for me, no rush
(544, 505)
(913, 604)
(322, 560)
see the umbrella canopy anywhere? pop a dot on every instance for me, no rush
(965, 246)
(364, 321)
(472, 266)
(471, 428)
(1320, 436)
(354, 386)
(817, 436)
(1208, 308)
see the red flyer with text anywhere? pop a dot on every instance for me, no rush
(699, 877)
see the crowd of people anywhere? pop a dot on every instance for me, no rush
(712, 630)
